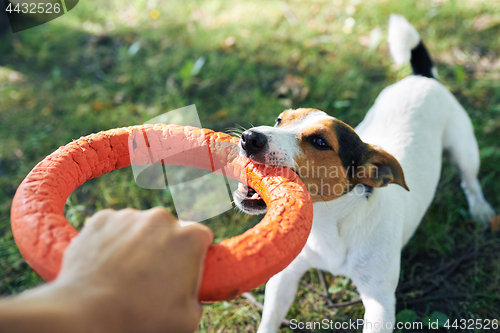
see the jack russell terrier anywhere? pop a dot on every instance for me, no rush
(360, 224)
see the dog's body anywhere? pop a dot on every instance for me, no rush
(359, 232)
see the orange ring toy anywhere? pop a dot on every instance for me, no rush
(231, 267)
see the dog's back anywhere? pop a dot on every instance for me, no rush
(416, 119)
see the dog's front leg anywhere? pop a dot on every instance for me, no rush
(280, 293)
(379, 312)
(376, 284)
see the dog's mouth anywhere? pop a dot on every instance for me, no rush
(249, 200)
(245, 197)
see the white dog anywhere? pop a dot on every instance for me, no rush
(360, 225)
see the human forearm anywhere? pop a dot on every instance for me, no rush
(53, 308)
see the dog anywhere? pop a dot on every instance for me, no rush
(360, 223)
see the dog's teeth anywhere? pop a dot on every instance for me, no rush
(241, 188)
(255, 196)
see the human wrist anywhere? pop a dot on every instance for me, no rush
(55, 307)
(40, 310)
(92, 305)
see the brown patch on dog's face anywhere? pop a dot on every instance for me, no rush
(333, 159)
(320, 166)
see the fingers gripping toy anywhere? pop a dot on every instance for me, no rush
(231, 267)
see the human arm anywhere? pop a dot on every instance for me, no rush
(127, 271)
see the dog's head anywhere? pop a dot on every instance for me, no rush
(326, 153)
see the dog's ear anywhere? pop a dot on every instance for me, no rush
(379, 168)
(367, 164)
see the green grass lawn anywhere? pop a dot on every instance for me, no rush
(111, 64)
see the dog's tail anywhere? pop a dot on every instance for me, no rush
(405, 45)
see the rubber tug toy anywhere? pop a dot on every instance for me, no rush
(231, 267)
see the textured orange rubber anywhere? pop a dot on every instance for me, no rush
(231, 267)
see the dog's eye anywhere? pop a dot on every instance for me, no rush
(319, 143)
(278, 122)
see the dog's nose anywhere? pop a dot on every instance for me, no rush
(252, 141)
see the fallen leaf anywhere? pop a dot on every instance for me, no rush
(47, 111)
(292, 88)
(228, 42)
(31, 103)
(122, 79)
(154, 14)
(484, 22)
(218, 115)
(286, 102)
(97, 105)
(7, 74)
(495, 223)
(119, 97)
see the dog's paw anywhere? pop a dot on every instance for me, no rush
(481, 211)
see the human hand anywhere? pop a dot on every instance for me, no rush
(138, 271)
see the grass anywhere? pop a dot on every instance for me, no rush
(79, 74)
